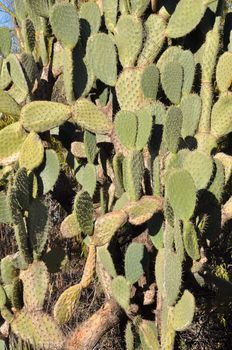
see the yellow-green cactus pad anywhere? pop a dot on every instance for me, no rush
(40, 116)
(221, 119)
(32, 152)
(224, 71)
(89, 117)
(8, 105)
(107, 225)
(130, 81)
(35, 283)
(11, 140)
(5, 41)
(67, 304)
(70, 227)
(142, 210)
(184, 311)
(39, 329)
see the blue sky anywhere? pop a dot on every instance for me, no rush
(5, 19)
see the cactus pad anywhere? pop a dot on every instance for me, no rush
(40, 116)
(65, 24)
(101, 55)
(89, 117)
(11, 140)
(32, 152)
(107, 225)
(184, 311)
(181, 192)
(67, 304)
(121, 291)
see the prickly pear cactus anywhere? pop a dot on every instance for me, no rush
(125, 101)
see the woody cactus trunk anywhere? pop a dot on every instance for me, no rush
(137, 94)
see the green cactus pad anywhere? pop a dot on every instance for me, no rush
(172, 276)
(110, 8)
(129, 46)
(133, 262)
(83, 208)
(172, 128)
(190, 241)
(90, 19)
(35, 283)
(181, 192)
(101, 53)
(130, 80)
(38, 226)
(8, 105)
(87, 178)
(107, 225)
(38, 329)
(145, 124)
(141, 211)
(67, 304)
(126, 125)
(221, 120)
(20, 9)
(70, 227)
(155, 35)
(186, 59)
(49, 173)
(40, 116)
(11, 140)
(133, 174)
(106, 260)
(172, 77)
(30, 69)
(200, 166)
(28, 33)
(17, 74)
(184, 312)
(191, 110)
(121, 291)
(218, 184)
(32, 152)
(224, 72)
(8, 270)
(90, 146)
(5, 41)
(186, 17)
(40, 7)
(149, 335)
(89, 117)
(65, 24)
(150, 82)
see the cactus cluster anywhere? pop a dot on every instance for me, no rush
(141, 115)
